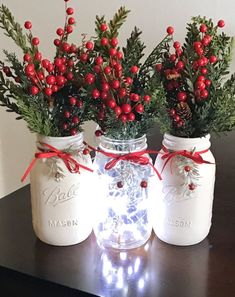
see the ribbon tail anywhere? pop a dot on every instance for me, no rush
(28, 170)
(156, 171)
(86, 168)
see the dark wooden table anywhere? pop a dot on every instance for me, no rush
(29, 267)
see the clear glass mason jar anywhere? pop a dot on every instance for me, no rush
(182, 206)
(60, 199)
(122, 203)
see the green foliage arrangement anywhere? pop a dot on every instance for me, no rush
(43, 93)
(199, 100)
(117, 82)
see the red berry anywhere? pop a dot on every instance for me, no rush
(71, 21)
(70, 10)
(83, 57)
(170, 30)
(27, 57)
(60, 80)
(213, 59)
(139, 108)
(120, 184)
(115, 84)
(35, 41)
(201, 78)
(89, 45)
(89, 78)
(172, 112)
(208, 37)
(119, 55)
(112, 52)
(60, 31)
(197, 45)
(67, 114)
(50, 79)
(72, 101)
(187, 168)
(73, 48)
(182, 96)
(134, 69)
(180, 65)
(117, 110)
(98, 133)
(123, 118)
(79, 104)
(103, 27)
(69, 29)
(34, 90)
(70, 63)
(29, 69)
(48, 91)
(73, 132)
(122, 92)
(134, 97)
(54, 88)
(176, 117)
(107, 70)
(62, 68)
(126, 108)
(114, 42)
(221, 23)
(192, 187)
(105, 87)
(207, 82)
(28, 25)
(147, 98)
(56, 42)
(45, 63)
(95, 93)
(104, 41)
(180, 123)
(65, 126)
(65, 47)
(131, 117)
(143, 184)
(7, 69)
(75, 120)
(176, 45)
(129, 80)
(172, 58)
(112, 103)
(205, 41)
(69, 75)
(104, 95)
(200, 85)
(99, 60)
(203, 28)
(204, 94)
(204, 70)
(158, 67)
(86, 151)
(200, 51)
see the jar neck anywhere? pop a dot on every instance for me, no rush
(61, 143)
(179, 143)
(123, 146)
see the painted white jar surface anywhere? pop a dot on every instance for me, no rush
(60, 199)
(182, 204)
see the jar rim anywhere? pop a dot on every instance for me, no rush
(60, 138)
(187, 139)
(122, 140)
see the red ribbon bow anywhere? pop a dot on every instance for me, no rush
(134, 157)
(72, 165)
(195, 156)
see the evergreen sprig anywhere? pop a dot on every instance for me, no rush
(13, 29)
(199, 100)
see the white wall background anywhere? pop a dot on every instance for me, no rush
(152, 16)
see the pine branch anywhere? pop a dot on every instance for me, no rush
(117, 21)
(133, 52)
(13, 29)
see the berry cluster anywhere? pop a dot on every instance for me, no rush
(46, 76)
(108, 87)
(186, 72)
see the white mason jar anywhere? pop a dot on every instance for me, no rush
(60, 199)
(122, 205)
(182, 204)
